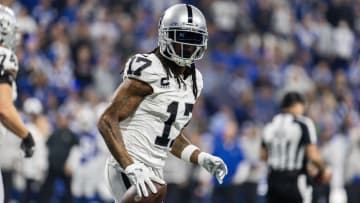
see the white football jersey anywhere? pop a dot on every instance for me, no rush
(8, 63)
(149, 133)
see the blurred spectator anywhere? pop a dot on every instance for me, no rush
(43, 13)
(283, 19)
(83, 67)
(176, 174)
(59, 144)
(226, 146)
(10, 159)
(256, 169)
(322, 75)
(104, 79)
(305, 32)
(265, 104)
(262, 15)
(224, 15)
(126, 45)
(343, 43)
(158, 6)
(340, 10)
(352, 167)
(103, 193)
(33, 170)
(103, 27)
(321, 192)
(26, 23)
(297, 79)
(334, 153)
(69, 13)
(324, 46)
(82, 160)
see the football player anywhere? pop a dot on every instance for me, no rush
(153, 104)
(9, 117)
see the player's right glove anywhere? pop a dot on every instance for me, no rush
(140, 176)
(27, 145)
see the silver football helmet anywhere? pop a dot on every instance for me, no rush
(7, 28)
(183, 34)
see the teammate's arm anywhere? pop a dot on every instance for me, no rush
(183, 149)
(127, 98)
(10, 118)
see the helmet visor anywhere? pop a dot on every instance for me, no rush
(187, 37)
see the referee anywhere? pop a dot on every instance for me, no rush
(289, 146)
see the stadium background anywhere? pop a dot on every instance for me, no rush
(71, 54)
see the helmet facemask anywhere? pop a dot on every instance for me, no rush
(182, 45)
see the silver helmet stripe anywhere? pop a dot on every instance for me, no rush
(190, 14)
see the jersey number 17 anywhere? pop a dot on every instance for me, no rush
(164, 140)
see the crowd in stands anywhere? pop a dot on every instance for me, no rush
(71, 55)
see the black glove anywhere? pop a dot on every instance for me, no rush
(27, 145)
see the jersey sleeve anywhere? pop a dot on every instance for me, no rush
(308, 131)
(312, 131)
(8, 68)
(141, 67)
(8, 62)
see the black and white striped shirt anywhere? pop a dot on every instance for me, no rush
(285, 139)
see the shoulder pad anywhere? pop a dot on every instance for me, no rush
(146, 68)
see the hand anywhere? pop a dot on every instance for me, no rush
(326, 176)
(322, 177)
(140, 176)
(213, 165)
(27, 145)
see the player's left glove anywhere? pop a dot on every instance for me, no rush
(27, 145)
(214, 165)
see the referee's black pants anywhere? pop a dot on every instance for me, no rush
(283, 187)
